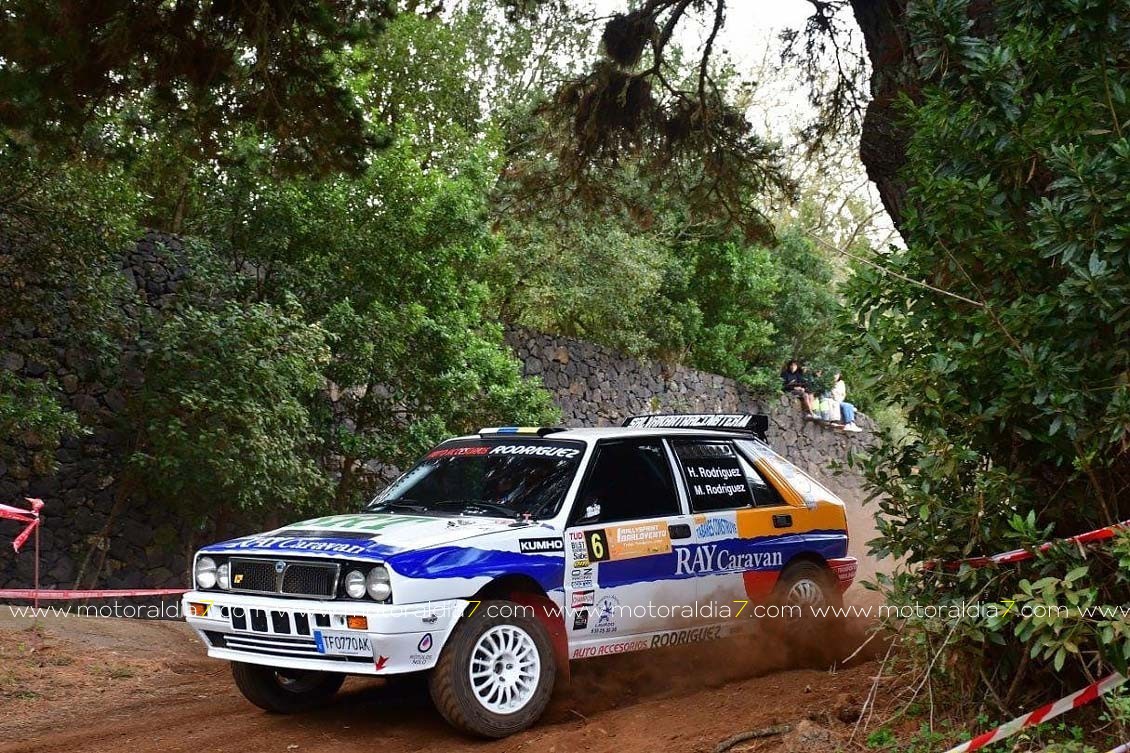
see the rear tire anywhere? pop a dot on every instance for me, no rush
(808, 586)
(285, 691)
(496, 673)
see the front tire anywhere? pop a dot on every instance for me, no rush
(285, 691)
(496, 673)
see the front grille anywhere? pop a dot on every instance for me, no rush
(272, 645)
(312, 579)
(253, 575)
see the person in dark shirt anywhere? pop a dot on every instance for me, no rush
(794, 380)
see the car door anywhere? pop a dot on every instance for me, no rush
(626, 532)
(736, 517)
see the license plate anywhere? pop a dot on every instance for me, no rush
(343, 644)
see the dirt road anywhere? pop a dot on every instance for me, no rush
(83, 685)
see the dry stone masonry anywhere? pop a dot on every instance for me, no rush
(98, 534)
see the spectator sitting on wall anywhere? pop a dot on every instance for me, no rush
(794, 380)
(847, 410)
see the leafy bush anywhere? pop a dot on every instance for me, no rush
(1018, 390)
(223, 420)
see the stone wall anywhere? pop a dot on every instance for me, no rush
(596, 386)
(96, 533)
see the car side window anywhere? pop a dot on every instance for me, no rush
(628, 480)
(714, 475)
(764, 493)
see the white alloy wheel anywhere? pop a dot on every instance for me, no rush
(805, 592)
(504, 669)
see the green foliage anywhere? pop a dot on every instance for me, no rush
(1019, 397)
(32, 416)
(202, 72)
(223, 420)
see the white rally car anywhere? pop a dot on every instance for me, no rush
(501, 556)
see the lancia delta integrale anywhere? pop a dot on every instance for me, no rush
(501, 557)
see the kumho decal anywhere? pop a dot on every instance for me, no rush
(546, 451)
(713, 559)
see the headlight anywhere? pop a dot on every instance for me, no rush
(223, 576)
(205, 572)
(377, 583)
(355, 584)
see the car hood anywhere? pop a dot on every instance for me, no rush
(374, 536)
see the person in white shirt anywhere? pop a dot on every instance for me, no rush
(847, 410)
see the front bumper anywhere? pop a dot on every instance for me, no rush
(283, 632)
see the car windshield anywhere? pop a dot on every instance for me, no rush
(509, 479)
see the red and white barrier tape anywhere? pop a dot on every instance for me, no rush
(1020, 555)
(64, 595)
(1042, 714)
(31, 517)
(1124, 748)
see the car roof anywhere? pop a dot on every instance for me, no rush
(594, 433)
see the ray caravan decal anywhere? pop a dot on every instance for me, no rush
(758, 559)
(627, 542)
(712, 558)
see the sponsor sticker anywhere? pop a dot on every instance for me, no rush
(714, 527)
(579, 549)
(580, 619)
(581, 578)
(626, 542)
(712, 558)
(583, 598)
(424, 647)
(606, 613)
(607, 649)
(541, 546)
(690, 635)
(545, 451)
(458, 452)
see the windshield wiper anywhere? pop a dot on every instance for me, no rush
(399, 504)
(470, 504)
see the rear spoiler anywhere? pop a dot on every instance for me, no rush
(756, 424)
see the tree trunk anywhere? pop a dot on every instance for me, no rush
(883, 142)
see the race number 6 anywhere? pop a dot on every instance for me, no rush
(597, 544)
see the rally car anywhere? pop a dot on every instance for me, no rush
(502, 556)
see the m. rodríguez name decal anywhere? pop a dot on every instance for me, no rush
(540, 450)
(539, 546)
